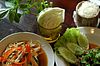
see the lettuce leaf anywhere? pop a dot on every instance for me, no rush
(70, 35)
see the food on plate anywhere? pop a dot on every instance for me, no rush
(74, 47)
(90, 58)
(66, 54)
(24, 53)
(83, 41)
(71, 35)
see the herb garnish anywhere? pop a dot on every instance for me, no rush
(25, 7)
(90, 57)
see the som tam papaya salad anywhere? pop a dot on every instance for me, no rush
(22, 53)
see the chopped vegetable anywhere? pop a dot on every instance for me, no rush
(70, 36)
(67, 55)
(90, 57)
(83, 41)
(74, 47)
(21, 53)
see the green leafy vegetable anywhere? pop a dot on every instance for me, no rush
(60, 43)
(25, 6)
(70, 36)
(73, 42)
(11, 15)
(90, 57)
(67, 55)
(75, 49)
(17, 17)
(83, 41)
(3, 13)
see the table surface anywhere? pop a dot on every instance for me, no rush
(27, 25)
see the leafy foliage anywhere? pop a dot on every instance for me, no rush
(90, 57)
(14, 6)
(70, 36)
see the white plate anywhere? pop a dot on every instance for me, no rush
(29, 36)
(93, 34)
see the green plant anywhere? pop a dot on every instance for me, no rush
(25, 7)
(90, 57)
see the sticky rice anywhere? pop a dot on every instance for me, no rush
(88, 10)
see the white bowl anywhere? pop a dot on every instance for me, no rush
(28, 36)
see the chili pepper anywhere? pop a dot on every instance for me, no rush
(27, 46)
(28, 57)
(2, 59)
(25, 64)
(19, 48)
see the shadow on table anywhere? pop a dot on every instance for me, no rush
(7, 28)
(27, 24)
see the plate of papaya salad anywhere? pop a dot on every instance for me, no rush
(25, 49)
(78, 47)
